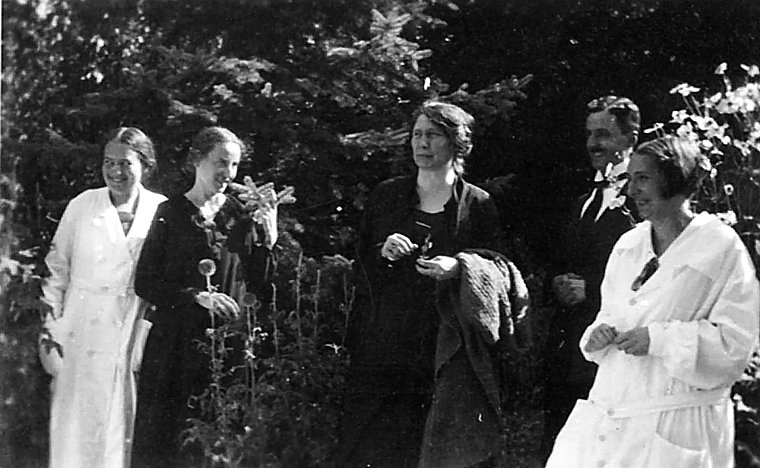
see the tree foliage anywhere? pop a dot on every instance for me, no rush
(321, 92)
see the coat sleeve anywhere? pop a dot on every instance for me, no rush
(259, 262)
(151, 284)
(56, 285)
(605, 314)
(713, 351)
(486, 230)
(58, 261)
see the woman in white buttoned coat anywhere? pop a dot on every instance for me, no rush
(96, 317)
(677, 326)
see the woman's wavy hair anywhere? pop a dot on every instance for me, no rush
(205, 141)
(455, 123)
(137, 141)
(681, 162)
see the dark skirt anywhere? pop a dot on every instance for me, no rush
(383, 420)
(173, 370)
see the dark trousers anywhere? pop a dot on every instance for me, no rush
(559, 400)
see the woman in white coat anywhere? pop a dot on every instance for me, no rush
(96, 317)
(677, 325)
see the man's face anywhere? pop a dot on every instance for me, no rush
(605, 142)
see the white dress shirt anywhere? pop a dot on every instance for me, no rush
(612, 191)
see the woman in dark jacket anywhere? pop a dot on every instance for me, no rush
(413, 227)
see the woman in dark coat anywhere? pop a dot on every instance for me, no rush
(202, 223)
(413, 227)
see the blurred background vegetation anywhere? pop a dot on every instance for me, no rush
(322, 91)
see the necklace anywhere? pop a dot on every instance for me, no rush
(126, 219)
(127, 216)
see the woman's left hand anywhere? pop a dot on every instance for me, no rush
(635, 341)
(266, 216)
(440, 267)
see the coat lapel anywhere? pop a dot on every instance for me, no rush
(107, 221)
(146, 208)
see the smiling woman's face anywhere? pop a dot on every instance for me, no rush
(122, 169)
(645, 185)
(217, 169)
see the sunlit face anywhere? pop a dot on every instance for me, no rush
(214, 172)
(122, 169)
(430, 145)
(645, 185)
(605, 142)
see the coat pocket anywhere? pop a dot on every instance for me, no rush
(142, 330)
(666, 453)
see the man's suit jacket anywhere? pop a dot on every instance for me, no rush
(587, 247)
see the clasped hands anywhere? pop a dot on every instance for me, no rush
(634, 341)
(440, 267)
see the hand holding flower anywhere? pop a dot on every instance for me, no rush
(218, 303)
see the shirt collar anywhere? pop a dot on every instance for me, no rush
(616, 170)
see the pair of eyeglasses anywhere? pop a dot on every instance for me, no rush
(649, 269)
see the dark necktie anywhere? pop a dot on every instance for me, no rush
(592, 210)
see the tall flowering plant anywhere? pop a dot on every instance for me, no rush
(726, 125)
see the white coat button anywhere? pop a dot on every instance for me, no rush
(632, 302)
(601, 463)
(90, 352)
(94, 322)
(602, 437)
(611, 413)
(118, 323)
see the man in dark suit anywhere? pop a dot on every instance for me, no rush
(597, 220)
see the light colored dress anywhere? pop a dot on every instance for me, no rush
(97, 320)
(670, 408)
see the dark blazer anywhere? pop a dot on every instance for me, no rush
(587, 248)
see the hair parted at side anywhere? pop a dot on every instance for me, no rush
(205, 141)
(680, 161)
(455, 122)
(137, 141)
(625, 111)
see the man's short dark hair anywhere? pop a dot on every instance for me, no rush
(625, 111)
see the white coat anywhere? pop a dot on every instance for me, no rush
(97, 320)
(671, 407)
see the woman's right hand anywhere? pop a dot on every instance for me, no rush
(220, 303)
(396, 246)
(600, 338)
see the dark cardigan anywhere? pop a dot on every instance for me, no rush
(393, 325)
(483, 321)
